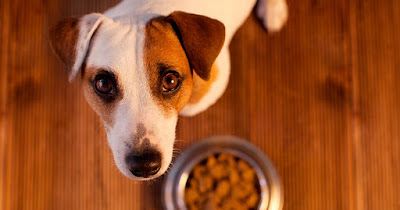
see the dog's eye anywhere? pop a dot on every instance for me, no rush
(170, 81)
(104, 85)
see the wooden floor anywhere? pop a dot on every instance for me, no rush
(321, 98)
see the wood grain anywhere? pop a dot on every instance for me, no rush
(4, 24)
(320, 98)
(376, 43)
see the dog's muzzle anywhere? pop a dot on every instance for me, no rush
(145, 164)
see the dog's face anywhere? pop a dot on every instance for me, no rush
(137, 76)
(137, 80)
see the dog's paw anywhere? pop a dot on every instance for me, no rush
(273, 14)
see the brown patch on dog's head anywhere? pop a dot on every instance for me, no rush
(162, 53)
(184, 43)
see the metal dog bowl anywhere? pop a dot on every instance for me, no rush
(174, 185)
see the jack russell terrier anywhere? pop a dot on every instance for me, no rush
(143, 63)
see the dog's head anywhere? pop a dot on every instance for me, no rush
(137, 75)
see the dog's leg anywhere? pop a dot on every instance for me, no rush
(273, 14)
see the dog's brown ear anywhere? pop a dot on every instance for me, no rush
(70, 40)
(201, 37)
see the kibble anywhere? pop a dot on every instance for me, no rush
(222, 181)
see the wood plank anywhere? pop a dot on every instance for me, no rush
(299, 112)
(376, 41)
(4, 26)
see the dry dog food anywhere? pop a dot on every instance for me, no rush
(222, 181)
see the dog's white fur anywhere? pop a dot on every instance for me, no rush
(123, 29)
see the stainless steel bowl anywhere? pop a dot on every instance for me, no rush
(174, 185)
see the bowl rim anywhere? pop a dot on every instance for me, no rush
(172, 192)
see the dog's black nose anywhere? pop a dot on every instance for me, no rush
(145, 164)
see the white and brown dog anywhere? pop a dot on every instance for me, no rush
(143, 63)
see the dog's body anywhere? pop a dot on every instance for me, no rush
(143, 63)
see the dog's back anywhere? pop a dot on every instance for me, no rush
(231, 14)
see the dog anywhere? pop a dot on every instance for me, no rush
(143, 63)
